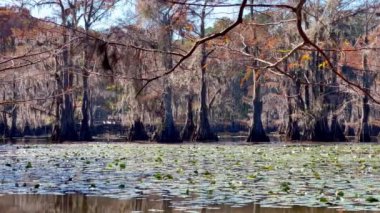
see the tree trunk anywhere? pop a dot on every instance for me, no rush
(67, 122)
(307, 92)
(137, 132)
(204, 132)
(5, 130)
(337, 133)
(257, 133)
(2, 126)
(56, 130)
(168, 132)
(349, 130)
(318, 128)
(188, 129)
(91, 103)
(292, 131)
(14, 130)
(55, 135)
(27, 130)
(336, 130)
(364, 134)
(321, 131)
(85, 131)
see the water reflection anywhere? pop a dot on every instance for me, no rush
(84, 204)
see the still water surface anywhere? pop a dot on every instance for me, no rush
(33, 203)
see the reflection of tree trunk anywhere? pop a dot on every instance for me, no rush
(257, 133)
(189, 127)
(167, 205)
(138, 205)
(84, 204)
(365, 135)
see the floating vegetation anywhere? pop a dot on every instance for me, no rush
(344, 175)
(28, 165)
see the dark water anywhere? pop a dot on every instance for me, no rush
(83, 204)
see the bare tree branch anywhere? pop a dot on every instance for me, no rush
(238, 21)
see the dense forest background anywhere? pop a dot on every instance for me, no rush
(179, 70)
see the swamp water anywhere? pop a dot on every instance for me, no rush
(196, 177)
